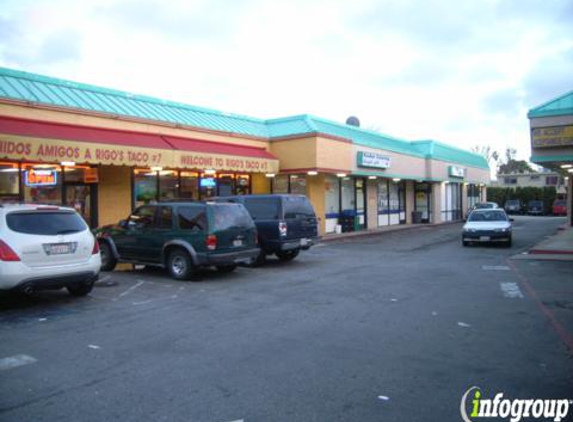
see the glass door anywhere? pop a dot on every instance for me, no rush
(80, 198)
(360, 204)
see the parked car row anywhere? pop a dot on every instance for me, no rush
(533, 207)
(52, 247)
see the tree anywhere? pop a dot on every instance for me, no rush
(487, 152)
(511, 165)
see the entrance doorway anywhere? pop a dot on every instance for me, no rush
(82, 198)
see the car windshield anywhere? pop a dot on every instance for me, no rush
(45, 223)
(230, 216)
(535, 203)
(493, 215)
(512, 202)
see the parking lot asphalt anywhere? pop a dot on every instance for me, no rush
(392, 327)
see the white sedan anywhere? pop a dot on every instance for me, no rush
(487, 225)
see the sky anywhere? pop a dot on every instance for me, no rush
(463, 72)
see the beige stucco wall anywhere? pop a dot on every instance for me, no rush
(436, 203)
(440, 171)
(333, 154)
(315, 190)
(401, 165)
(295, 153)
(114, 194)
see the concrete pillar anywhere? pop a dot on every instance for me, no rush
(372, 203)
(260, 184)
(570, 200)
(315, 190)
(114, 194)
(465, 201)
(436, 203)
(410, 200)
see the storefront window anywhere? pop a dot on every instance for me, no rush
(144, 186)
(9, 182)
(189, 185)
(226, 184)
(42, 184)
(331, 202)
(451, 202)
(297, 184)
(280, 183)
(422, 200)
(207, 186)
(348, 195)
(168, 185)
(243, 184)
(473, 195)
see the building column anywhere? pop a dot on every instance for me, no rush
(114, 194)
(260, 184)
(315, 190)
(372, 204)
(465, 200)
(436, 203)
(570, 200)
(410, 200)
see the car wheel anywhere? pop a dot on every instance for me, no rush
(288, 255)
(226, 268)
(465, 242)
(180, 265)
(80, 289)
(108, 261)
(509, 242)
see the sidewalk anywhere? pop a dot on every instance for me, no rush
(380, 230)
(558, 247)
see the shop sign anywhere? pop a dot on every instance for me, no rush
(91, 175)
(455, 171)
(556, 136)
(37, 178)
(81, 152)
(373, 159)
(225, 162)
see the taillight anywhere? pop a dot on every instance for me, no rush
(7, 254)
(211, 242)
(283, 228)
(95, 250)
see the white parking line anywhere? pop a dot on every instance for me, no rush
(511, 290)
(495, 267)
(132, 288)
(16, 361)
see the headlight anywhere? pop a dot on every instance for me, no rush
(503, 230)
(470, 230)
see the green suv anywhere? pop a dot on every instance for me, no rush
(181, 237)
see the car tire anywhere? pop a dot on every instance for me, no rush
(180, 265)
(509, 242)
(80, 289)
(288, 255)
(226, 268)
(108, 261)
(465, 243)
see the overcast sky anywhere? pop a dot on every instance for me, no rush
(463, 72)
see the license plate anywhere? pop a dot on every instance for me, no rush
(484, 238)
(237, 242)
(59, 248)
(304, 242)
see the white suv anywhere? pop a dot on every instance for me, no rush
(46, 247)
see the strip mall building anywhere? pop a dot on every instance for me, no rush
(105, 152)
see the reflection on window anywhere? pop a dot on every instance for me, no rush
(9, 182)
(280, 183)
(348, 194)
(243, 184)
(297, 184)
(189, 185)
(144, 186)
(168, 185)
(226, 184)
